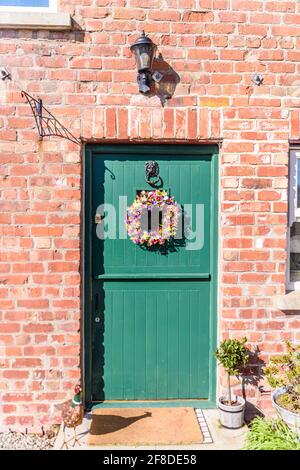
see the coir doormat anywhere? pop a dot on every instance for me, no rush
(144, 426)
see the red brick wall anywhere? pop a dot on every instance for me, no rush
(87, 79)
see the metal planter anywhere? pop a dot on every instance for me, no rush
(291, 419)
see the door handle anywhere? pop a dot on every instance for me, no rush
(97, 318)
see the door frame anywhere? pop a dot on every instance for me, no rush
(86, 324)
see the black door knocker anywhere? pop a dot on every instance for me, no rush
(152, 173)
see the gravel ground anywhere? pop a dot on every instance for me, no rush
(19, 441)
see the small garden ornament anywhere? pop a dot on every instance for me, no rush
(72, 415)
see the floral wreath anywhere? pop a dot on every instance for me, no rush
(150, 202)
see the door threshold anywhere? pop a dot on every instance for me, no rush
(194, 403)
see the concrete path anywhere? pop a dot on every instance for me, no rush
(223, 439)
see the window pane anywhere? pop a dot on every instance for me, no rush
(295, 252)
(298, 182)
(24, 3)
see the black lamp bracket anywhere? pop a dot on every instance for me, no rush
(145, 78)
(144, 81)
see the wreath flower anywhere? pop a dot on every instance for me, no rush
(147, 207)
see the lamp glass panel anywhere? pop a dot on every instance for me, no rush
(144, 61)
(144, 56)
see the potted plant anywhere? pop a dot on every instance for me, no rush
(283, 374)
(232, 355)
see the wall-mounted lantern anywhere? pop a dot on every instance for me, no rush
(144, 50)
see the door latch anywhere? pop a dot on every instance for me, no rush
(98, 218)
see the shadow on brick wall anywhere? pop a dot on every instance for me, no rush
(165, 89)
(252, 375)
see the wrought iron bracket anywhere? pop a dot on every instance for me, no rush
(47, 124)
(5, 74)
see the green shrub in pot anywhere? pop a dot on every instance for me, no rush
(232, 354)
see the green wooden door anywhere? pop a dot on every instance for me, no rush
(150, 315)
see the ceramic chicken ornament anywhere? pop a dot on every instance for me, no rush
(72, 415)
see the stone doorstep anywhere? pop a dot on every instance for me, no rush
(24, 20)
(223, 439)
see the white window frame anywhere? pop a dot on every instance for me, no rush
(294, 211)
(52, 8)
(35, 18)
